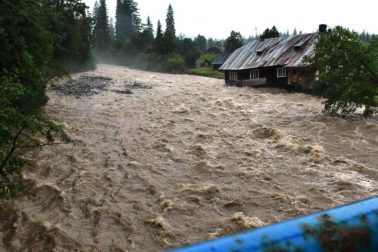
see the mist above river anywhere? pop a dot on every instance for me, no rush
(159, 161)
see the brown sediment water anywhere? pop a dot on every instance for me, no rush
(177, 159)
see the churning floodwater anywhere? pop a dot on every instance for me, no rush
(159, 161)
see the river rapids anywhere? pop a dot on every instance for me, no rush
(159, 161)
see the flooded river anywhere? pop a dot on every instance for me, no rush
(178, 159)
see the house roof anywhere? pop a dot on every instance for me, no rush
(213, 49)
(286, 51)
(220, 58)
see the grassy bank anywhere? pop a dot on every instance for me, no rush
(207, 72)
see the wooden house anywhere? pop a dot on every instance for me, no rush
(274, 61)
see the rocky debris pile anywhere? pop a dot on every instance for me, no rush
(136, 85)
(126, 91)
(131, 85)
(84, 85)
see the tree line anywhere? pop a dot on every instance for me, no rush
(133, 42)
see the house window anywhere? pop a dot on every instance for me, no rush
(281, 72)
(234, 76)
(254, 74)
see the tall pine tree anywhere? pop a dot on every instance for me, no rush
(170, 32)
(150, 29)
(95, 10)
(128, 23)
(159, 40)
(111, 31)
(101, 28)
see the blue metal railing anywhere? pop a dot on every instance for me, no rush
(350, 227)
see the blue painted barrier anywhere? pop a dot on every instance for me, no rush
(350, 227)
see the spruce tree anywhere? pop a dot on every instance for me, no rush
(95, 10)
(111, 31)
(128, 23)
(101, 28)
(170, 32)
(150, 28)
(159, 40)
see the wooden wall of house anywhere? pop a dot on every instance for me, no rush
(226, 76)
(243, 74)
(270, 73)
(294, 76)
(303, 77)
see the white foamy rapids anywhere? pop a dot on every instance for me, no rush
(180, 159)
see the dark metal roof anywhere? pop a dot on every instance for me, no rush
(278, 51)
(220, 58)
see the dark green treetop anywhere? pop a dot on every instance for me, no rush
(233, 42)
(270, 33)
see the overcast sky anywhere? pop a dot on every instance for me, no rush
(216, 18)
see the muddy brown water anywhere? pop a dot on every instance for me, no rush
(185, 160)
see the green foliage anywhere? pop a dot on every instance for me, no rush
(144, 39)
(69, 29)
(233, 42)
(207, 72)
(35, 37)
(348, 72)
(172, 63)
(206, 57)
(187, 48)
(270, 33)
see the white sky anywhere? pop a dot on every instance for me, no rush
(216, 18)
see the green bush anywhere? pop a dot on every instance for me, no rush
(205, 57)
(172, 63)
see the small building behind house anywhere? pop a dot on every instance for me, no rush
(206, 64)
(219, 60)
(214, 50)
(273, 62)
